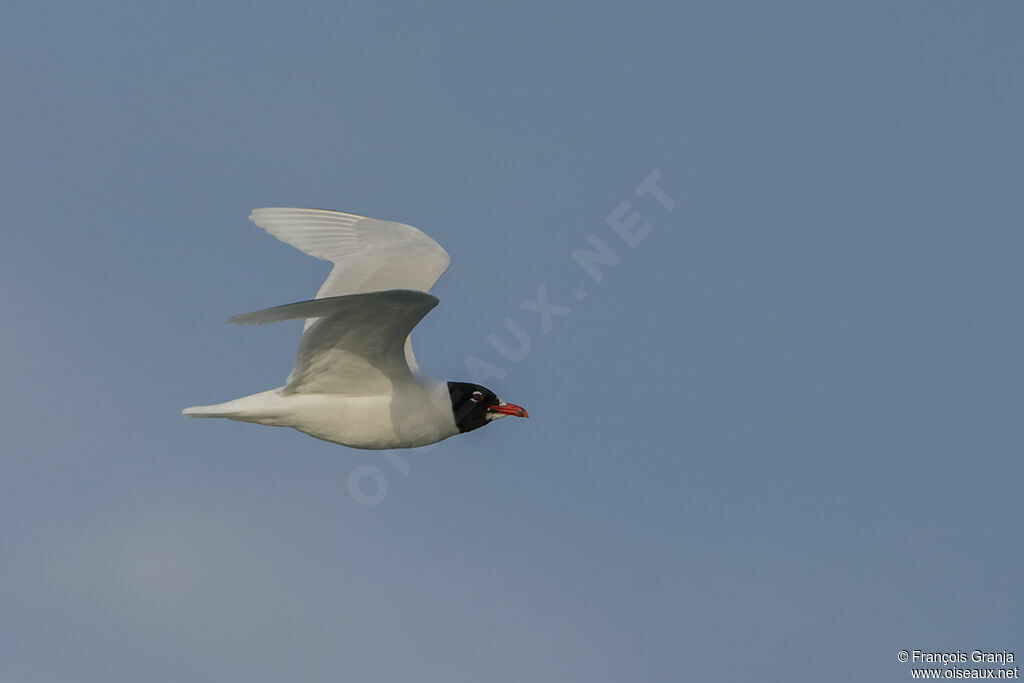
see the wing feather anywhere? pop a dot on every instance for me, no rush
(368, 254)
(355, 346)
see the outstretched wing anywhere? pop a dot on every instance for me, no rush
(354, 346)
(369, 255)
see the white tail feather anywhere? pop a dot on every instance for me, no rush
(247, 408)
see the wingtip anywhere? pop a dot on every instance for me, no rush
(244, 319)
(254, 213)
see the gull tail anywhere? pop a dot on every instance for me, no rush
(255, 408)
(218, 410)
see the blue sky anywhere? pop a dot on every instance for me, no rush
(780, 438)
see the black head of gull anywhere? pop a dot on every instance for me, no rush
(475, 406)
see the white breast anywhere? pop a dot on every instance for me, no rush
(420, 414)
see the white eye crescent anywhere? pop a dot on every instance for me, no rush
(476, 397)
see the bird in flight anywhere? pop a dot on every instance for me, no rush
(355, 381)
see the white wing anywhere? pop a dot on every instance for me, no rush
(369, 255)
(355, 345)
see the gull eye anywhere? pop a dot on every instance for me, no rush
(477, 397)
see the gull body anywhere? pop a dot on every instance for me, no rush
(356, 381)
(416, 417)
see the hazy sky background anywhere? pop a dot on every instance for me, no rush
(780, 440)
